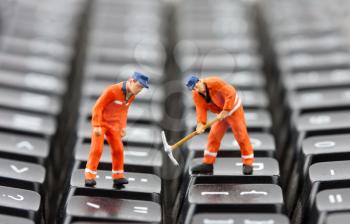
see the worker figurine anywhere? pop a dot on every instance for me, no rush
(221, 98)
(109, 117)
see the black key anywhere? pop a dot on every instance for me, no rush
(319, 99)
(323, 121)
(233, 198)
(153, 94)
(23, 146)
(23, 202)
(257, 120)
(263, 144)
(222, 62)
(114, 71)
(335, 172)
(329, 201)
(232, 45)
(229, 170)
(143, 54)
(338, 218)
(114, 209)
(136, 159)
(14, 220)
(324, 148)
(321, 176)
(142, 112)
(13, 172)
(33, 64)
(322, 44)
(27, 122)
(135, 134)
(248, 218)
(317, 79)
(51, 49)
(251, 98)
(33, 81)
(32, 102)
(141, 186)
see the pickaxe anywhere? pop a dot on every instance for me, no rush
(169, 148)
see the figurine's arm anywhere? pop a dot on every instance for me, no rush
(106, 97)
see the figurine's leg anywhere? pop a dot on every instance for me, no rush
(117, 152)
(94, 155)
(239, 129)
(216, 134)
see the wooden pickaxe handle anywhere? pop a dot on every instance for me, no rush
(189, 136)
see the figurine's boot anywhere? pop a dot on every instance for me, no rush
(247, 169)
(120, 181)
(202, 168)
(90, 182)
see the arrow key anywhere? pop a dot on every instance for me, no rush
(20, 173)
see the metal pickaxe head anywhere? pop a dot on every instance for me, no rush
(168, 149)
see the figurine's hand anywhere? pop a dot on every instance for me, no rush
(97, 131)
(123, 132)
(200, 128)
(222, 115)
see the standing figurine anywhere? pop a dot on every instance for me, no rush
(222, 99)
(109, 117)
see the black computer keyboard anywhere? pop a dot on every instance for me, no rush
(289, 61)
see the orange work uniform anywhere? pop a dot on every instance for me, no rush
(222, 96)
(109, 113)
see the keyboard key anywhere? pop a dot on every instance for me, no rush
(136, 158)
(37, 82)
(114, 209)
(229, 170)
(22, 202)
(327, 201)
(257, 120)
(320, 99)
(323, 121)
(260, 197)
(13, 171)
(14, 220)
(316, 79)
(248, 218)
(141, 112)
(28, 101)
(153, 94)
(137, 134)
(141, 186)
(338, 218)
(27, 122)
(22, 146)
(263, 144)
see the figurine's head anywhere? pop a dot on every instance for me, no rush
(138, 82)
(196, 84)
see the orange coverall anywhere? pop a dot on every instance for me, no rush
(109, 113)
(223, 96)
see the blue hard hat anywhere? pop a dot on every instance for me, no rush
(141, 78)
(191, 82)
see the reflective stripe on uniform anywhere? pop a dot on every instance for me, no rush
(250, 156)
(118, 102)
(238, 103)
(117, 171)
(207, 153)
(90, 171)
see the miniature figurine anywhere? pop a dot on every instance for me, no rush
(221, 98)
(109, 117)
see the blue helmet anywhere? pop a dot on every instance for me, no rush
(191, 82)
(141, 78)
